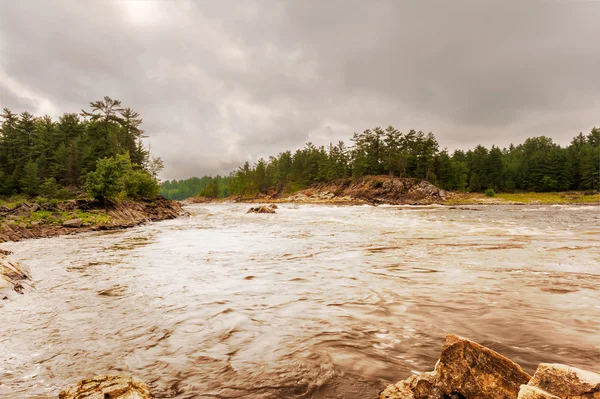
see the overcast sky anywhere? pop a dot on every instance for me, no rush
(221, 82)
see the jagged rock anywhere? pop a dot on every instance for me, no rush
(465, 370)
(528, 392)
(273, 206)
(13, 277)
(476, 372)
(261, 209)
(566, 382)
(76, 222)
(108, 387)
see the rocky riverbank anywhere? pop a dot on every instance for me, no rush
(373, 190)
(32, 220)
(467, 370)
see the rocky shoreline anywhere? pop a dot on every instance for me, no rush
(373, 190)
(31, 220)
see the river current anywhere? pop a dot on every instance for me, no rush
(312, 302)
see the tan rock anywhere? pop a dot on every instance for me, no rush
(261, 209)
(76, 222)
(415, 387)
(465, 370)
(566, 382)
(528, 392)
(476, 372)
(108, 387)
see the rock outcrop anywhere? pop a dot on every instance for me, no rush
(261, 209)
(64, 218)
(372, 190)
(14, 279)
(467, 370)
(108, 387)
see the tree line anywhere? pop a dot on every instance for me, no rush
(99, 150)
(538, 164)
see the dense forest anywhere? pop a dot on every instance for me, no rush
(98, 150)
(536, 165)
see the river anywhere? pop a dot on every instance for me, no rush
(312, 302)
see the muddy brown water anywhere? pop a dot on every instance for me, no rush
(312, 302)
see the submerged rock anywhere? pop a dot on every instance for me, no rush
(566, 382)
(465, 370)
(261, 209)
(108, 387)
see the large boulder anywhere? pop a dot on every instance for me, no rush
(466, 370)
(108, 387)
(566, 382)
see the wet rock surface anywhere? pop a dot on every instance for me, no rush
(261, 209)
(566, 382)
(14, 279)
(467, 370)
(108, 387)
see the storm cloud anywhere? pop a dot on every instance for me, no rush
(223, 82)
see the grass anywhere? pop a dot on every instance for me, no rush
(571, 197)
(13, 201)
(56, 218)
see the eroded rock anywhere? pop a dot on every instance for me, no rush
(566, 382)
(108, 387)
(13, 277)
(466, 370)
(528, 392)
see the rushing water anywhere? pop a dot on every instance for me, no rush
(312, 302)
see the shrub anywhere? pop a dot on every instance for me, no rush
(105, 181)
(40, 201)
(49, 187)
(63, 193)
(54, 203)
(490, 192)
(139, 184)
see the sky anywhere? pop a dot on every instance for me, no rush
(222, 82)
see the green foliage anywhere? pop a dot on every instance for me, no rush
(536, 165)
(116, 177)
(140, 184)
(490, 192)
(107, 180)
(30, 181)
(39, 155)
(49, 188)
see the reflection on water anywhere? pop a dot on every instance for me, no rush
(312, 302)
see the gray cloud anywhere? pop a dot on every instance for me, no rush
(220, 83)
